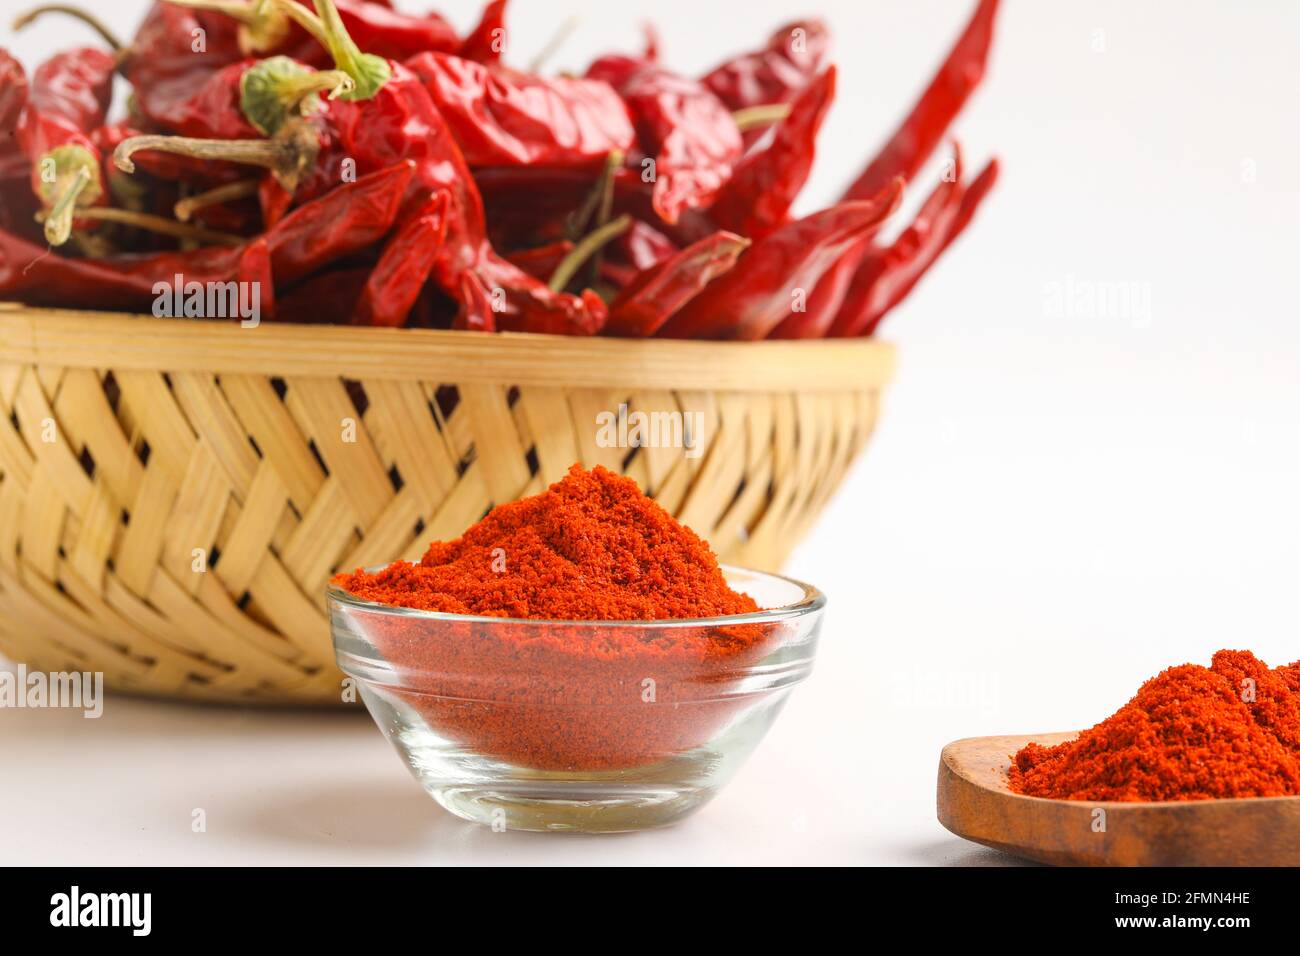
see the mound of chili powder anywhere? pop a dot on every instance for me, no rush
(1191, 733)
(591, 547)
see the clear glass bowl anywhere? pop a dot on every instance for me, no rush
(594, 726)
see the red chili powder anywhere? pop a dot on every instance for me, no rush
(592, 547)
(1191, 733)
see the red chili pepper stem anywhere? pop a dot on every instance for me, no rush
(159, 224)
(85, 16)
(262, 26)
(599, 202)
(69, 182)
(585, 249)
(185, 209)
(80, 188)
(756, 117)
(369, 71)
(272, 91)
(288, 155)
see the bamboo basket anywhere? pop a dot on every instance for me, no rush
(175, 494)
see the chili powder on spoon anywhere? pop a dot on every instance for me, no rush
(1191, 733)
(591, 548)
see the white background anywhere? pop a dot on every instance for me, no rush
(1058, 502)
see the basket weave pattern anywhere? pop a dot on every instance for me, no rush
(175, 495)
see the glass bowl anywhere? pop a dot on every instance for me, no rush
(593, 726)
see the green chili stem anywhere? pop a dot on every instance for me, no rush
(370, 72)
(606, 208)
(58, 221)
(600, 201)
(585, 249)
(333, 82)
(161, 224)
(85, 16)
(242, 189)
(755, 116)
(332, 28)
(304, 18)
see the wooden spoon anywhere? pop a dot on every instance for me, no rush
(975, 803)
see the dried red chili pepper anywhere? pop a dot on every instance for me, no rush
(241, 102)
(503, 118)
(213, 112)
(487, 42)
(339, 223)
(386, 32)
(643, 246)
(979, 188)
(616, 69)
(13, 92)
(476, 313)
(68, 98)
(75, 86)
(684, 130)
(904, 154)
(32, 274)
(970, 201)
(403, 268)
(265, 28)
(757, 198)
(390, 117)
(172, 55)
(923, 129)
(17, 205)
(659, 293)
(535, 308)
(885, 276)
(334, 225)
(823, 305)
(778, 72)
(653, 42)
(754, 297)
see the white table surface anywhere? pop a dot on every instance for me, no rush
(1059, 502)
(325, 789)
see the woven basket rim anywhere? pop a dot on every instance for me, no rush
(85, 339)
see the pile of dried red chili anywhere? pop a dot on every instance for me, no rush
(1191, 733)
(372, 167)
(591, 548)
